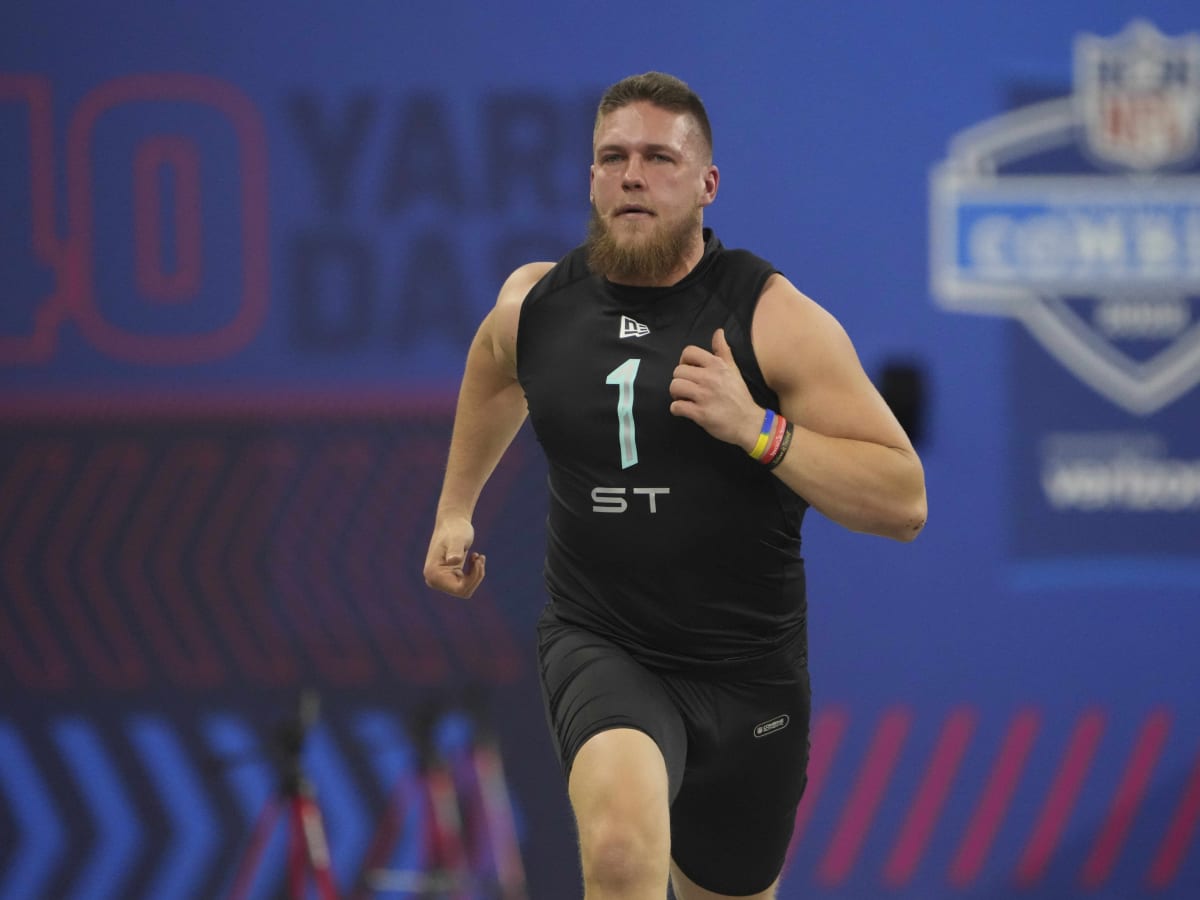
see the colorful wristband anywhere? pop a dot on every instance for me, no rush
(764, 437)
(776, 440)
(783, 447)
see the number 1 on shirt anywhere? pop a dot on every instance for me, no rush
(622, 376)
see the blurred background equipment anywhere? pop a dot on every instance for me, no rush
(295, 806)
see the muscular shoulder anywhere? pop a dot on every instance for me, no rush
(809, 361)
(518, 285)
(503, 320)
(798, 342)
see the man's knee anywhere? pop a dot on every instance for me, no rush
(619, 854)
(619, 794)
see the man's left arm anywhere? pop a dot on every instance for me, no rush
(849, 457)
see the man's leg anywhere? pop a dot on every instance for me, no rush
(686, 889)
(733, 817)
(618, 789)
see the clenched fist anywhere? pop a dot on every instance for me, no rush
(450, 565)
(708, 388)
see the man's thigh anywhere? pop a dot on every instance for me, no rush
(732, 819)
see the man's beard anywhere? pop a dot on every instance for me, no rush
(641, 261)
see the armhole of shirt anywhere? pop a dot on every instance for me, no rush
(741, 291)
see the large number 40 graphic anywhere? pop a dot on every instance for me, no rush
(192, 199)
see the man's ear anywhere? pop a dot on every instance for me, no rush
(712, 180)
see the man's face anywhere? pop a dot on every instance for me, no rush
(650, 178)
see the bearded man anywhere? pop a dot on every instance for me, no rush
(692, 404)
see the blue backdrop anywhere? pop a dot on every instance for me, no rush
(244, 248)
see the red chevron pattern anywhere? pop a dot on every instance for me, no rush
(32, 484)
(192, 559)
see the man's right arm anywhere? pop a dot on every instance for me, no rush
(490, 411)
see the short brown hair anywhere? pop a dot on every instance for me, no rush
(664, 91)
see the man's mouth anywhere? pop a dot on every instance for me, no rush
(633, 211)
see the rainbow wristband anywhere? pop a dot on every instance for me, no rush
(764, 437)
(781, 425)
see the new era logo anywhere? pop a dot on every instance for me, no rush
(632, 328)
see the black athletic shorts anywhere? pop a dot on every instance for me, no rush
(736, 750)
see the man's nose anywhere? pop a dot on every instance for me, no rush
(633, 174)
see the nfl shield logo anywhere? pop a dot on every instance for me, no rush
(1140, 96)
(1102, 267)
